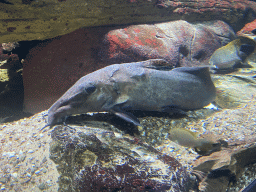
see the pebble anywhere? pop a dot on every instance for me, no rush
(37, 172)
(15, 175)
(31, 151)
(43, 186)
(10, 154)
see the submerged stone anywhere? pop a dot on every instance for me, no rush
(96, 160)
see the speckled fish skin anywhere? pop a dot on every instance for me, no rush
(145, 86)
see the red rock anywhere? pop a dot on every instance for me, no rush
(53, 66)
(179, 42)
(247, 28)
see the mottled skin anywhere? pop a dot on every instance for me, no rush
(147, 86)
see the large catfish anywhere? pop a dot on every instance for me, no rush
(146, 86)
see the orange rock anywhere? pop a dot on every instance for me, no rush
(247, 29)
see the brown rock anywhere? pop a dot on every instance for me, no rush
(225, 166)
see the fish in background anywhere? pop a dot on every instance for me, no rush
(187, 138)
(233, 54)
(150, 85)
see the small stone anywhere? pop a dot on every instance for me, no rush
(11, 154)
(37, 172)
(43, 186)
(3, 180)
(15, 175)
(44, 170)
(32, 170)
(22, 157)
(31, 151)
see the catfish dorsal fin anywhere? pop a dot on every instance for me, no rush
(158, 64)
(201, 72)
(193, 70)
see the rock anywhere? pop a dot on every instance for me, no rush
(79, 158)
(47, 18)
(11, 84)
(54, 65)
(236, 88)
(18, 165)
(248, 28)
(223, 168)
(246, 179)
(226, 166)
(98, 160)
(178, 42)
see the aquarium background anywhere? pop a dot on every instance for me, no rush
(146, 116)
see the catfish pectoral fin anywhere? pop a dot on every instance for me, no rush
(127, 117)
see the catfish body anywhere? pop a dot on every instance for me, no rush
(147, 86)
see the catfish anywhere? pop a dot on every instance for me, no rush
(150, 85)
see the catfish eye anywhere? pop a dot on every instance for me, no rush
(90, 89)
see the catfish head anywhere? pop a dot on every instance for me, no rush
(84, 96)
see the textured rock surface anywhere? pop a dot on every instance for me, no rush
(25, 164)
(235, 88)
(49, 18)
(96, 160)
(178, 42)
(248, 28)
(226, 166)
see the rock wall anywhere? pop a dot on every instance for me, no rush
(49, 18)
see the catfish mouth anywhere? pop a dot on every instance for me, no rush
(59, 115)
